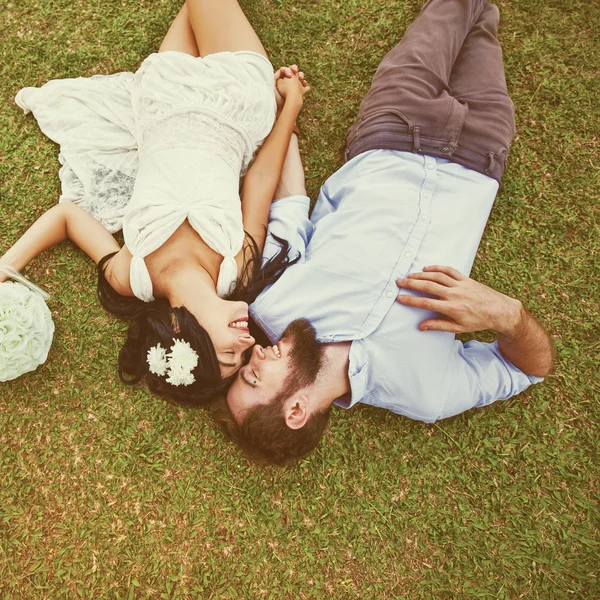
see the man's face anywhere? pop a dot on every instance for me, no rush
(292, 364)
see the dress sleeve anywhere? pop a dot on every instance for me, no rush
(288, 219)
(92, 120)
(139, 279)
(480, 375)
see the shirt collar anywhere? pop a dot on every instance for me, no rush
(358, 375)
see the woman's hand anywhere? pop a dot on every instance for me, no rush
(289, 80)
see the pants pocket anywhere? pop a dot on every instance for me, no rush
(455, 120)
(372, 120)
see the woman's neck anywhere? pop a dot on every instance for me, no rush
(188, 286)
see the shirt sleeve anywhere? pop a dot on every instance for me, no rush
(480, 376)
(288, 219)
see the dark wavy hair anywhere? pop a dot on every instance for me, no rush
(263, 435)
(156, 322)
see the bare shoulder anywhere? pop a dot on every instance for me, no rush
(116, 271)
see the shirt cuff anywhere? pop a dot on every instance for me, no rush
(298, 205)
(288, 219)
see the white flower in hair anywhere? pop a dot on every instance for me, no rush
(182, 356)
(157, 360)
(178, 364)
(179, 376)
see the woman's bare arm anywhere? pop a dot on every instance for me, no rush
(263, 177)
(64, 221)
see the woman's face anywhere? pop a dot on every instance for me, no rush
(228, 330)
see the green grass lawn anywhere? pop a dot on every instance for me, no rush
(108, 492)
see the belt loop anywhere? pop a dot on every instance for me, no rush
(492, 157)
(416, 139)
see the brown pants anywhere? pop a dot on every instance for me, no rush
(442, 91)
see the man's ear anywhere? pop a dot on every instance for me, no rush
(295, 410)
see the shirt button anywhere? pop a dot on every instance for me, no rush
(390, 294)
(408, 254)
(424, 217)
(426, 195)
(430, 165)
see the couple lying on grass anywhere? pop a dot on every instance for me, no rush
(361, 301)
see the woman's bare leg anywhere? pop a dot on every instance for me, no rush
(222, 26)
(180, 36)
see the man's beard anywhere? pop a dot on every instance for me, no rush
(306, 356)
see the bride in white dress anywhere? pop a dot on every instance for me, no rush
(160, 154)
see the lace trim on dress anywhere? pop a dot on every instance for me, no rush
(200, 131)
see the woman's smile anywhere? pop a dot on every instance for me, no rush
(241, 325)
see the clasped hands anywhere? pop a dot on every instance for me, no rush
(465, 305)
(290, 83)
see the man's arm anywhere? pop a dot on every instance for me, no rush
(288, 218)
(467, 306)
(292, 181)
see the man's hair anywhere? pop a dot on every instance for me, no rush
(263, 434)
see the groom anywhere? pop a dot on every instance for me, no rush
(369, 312)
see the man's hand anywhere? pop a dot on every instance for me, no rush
(466, 305)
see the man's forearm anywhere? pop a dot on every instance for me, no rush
(292, 174)
(465, 306)
(523, 341)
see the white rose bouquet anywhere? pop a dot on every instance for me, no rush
(26, 326)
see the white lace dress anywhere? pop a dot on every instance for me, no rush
(146, 151)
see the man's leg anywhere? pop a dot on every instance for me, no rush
(478, 80)
(412, 81)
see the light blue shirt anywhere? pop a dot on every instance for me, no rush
(383, 215)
